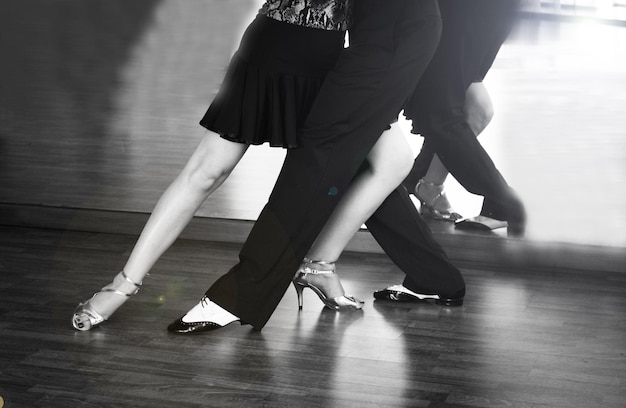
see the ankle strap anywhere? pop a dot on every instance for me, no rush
(129, 280)
(119, 292)
(309, 267)
(430, 184)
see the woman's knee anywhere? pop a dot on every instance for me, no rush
(404, 164)
(392, 158)
(212, 162)
(204, 176)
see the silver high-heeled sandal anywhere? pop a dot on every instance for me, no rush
(86, 317)
(439, 207)
(300, 282)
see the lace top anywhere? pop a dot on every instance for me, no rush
(322, 14)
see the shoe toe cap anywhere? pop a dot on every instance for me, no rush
(181, 327)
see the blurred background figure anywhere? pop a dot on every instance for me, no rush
(451, 106)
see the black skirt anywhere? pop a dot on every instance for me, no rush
(271, 82)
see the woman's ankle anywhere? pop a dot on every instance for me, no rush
(124, 284)
(322, 275)
(427, 190)
(314, 264)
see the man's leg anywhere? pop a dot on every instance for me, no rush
(391, 44)
(428, 175)
(387, 163)
(466, 159)
(479, 111)
(393, 220)
(399, 229)
(470, 42)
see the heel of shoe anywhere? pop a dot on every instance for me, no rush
(299, 288)
(300, 282)
(450, 302)
(429, 209)
(516, 229)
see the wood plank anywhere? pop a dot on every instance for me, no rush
(524, 338)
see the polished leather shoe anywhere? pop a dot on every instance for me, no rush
(510, 209)
(205, 316)
(181, 327)
(399, 293)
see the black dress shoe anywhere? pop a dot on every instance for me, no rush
(205, 316)
(480, 223)
(181, 327)
(510, 209)
(401, 296)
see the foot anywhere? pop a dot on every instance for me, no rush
(203, 317)
(399, 293)
(103, 304)
(434, 202)
(321, 278)
(509, 209)
(480, 223)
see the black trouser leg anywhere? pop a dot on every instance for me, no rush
(408, 241)
(420, 167)
(391, 45)
(473, 33)
(448, 134)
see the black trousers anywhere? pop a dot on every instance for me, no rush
(473, 32)
(391, 43)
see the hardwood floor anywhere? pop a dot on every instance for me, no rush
(548, 337)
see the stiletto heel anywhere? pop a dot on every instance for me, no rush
(439, 207)
(86, 316)
(338, 303)
(299, 288)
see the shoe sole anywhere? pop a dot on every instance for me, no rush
(397, 296)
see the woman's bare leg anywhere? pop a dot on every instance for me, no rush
(390, 161)
(210, 164)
